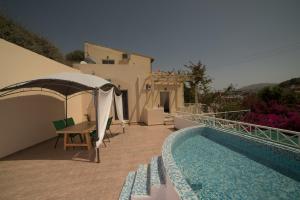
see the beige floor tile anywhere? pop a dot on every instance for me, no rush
(42, 172)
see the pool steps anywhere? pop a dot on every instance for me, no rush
(127, 187)
(141, 185)
(146, 183)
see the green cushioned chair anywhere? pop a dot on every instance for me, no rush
(58, 125)
(109, 121)
(70, 122)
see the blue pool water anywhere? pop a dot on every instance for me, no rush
(219, 165)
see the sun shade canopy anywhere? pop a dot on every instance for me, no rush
(104, 94)
(64, 83)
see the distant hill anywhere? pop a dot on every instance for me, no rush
(255, 87)
(19, 35)
(292, 83)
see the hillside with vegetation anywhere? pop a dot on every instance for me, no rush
(273, 105)
(19, 35)
(292, 83)
(255, 87)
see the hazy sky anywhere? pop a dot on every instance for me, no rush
(241, 42)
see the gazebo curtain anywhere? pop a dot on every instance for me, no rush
(104, 101)
(119, 107)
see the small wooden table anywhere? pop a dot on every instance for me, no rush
(83, 128)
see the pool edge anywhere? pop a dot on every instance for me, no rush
(173, 173)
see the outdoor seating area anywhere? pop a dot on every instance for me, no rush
(86, 131)
(62, 124)
(69, 85)
(82, 129)
(42, 171)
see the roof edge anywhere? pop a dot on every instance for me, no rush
(120, 50)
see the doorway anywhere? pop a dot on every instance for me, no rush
(164, 101)
(125, 105)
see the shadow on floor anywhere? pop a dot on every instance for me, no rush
(46, 151)
(172, 129)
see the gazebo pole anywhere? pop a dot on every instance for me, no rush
(97, 128)
(66, 114)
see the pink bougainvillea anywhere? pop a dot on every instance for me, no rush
(294, 121)
(273, 114)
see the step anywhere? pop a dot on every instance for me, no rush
(156, 171)
(141, 182)
(171, 118)
(168, 120)
(127, 187)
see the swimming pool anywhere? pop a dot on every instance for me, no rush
(219, 165)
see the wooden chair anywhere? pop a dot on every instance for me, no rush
(94, 134)
(109, 121)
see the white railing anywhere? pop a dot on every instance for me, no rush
(195, 108)
(281, 136)
(230, 115)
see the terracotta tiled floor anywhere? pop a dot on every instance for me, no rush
(42, 172)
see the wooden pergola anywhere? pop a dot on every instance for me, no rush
(167, 79)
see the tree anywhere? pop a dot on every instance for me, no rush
(19, 35)
(270, 93)
(189, 93)
(200, 81)
(75, 56)
(231, 88)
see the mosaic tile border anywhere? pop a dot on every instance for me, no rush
(181, 186)
(140, 187)
(127, 187)
(156, 171)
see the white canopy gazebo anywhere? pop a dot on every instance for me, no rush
(69, 85)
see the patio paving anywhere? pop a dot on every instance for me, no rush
(42, 172)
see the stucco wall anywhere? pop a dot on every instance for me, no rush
(132, 76)
(26, 119)
(97, 53)
(134, 80)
